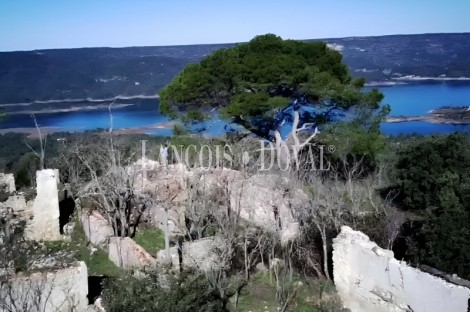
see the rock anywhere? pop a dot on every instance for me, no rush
(167, 182)
(170, 185)
(7, 183)
(90, 308)
(96, 228)
(175, 259)
(127, 254)
(205, 254)
(16, 202)
(369, 279)
(154, 216)
(45, 225)
(99, 305)
(68, 228)
(260, 267)
(262, 200)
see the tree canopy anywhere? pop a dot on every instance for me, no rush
(247, 80)
(433, 177)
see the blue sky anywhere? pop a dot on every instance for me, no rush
(47, 24)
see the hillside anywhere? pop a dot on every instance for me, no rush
(106, 72)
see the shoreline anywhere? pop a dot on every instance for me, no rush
(430, 119)
(70, 109)
(90, 100)
(33, 132)
(419, 78)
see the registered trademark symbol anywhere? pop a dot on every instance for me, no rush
(331, 148)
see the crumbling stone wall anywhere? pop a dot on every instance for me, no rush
(62, 290)
(369, 279)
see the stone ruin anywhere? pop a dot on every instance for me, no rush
(261, 199)
(44, 210)
(61, 290)
(52, 283)
(45, 224)
(369, 279)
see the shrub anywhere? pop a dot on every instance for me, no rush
(152, 240)
(189, 291)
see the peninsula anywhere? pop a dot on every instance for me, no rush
(442, 115)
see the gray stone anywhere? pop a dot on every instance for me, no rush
(96, 228)
(7, 183)
(206, 253)
(16, 202)
(261, 268)
(127, 254)
(175, 260)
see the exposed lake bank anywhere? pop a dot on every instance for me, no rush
(87, 100)
(443, 115)
(411, 106)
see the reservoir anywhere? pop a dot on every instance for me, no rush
(405, 100)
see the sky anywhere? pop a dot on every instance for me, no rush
(51, 24)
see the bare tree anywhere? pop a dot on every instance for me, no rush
(201, 198)
(112, 176)
(42, 144)
(38, 294)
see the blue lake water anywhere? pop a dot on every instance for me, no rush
(418, 99)
(407, 100)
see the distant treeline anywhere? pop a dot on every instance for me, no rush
(107, 72)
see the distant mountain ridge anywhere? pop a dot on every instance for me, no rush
(100, 73)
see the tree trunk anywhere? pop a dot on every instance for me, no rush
(167, 236)
(290, 269)
(115, 225)
(261, 251)
(246, 258)
(123, 224)
(325, 254)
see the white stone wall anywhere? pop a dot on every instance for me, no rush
(45, 225)
(369, 279)
(63, 290)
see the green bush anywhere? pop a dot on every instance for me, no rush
(152, 240)
(178, 129)
(98, 263)
(433, 177)
(189, 291)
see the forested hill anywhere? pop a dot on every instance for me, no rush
(106, 72)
